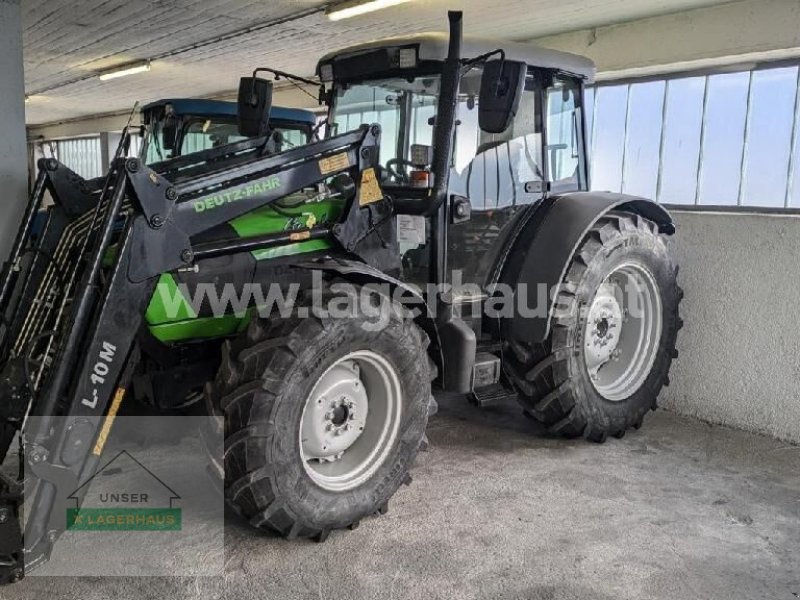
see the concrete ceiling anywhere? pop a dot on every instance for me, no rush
(201, 48)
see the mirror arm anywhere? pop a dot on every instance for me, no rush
(471, 62)
(321, 95)
(285, 75)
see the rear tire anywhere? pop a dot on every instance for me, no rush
(268, 390)
(559, 381)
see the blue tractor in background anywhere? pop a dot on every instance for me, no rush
(180, 126)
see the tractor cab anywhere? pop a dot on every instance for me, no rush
(518, 135)
(177, 127)
(396, 82)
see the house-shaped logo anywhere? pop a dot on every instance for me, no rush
(124, 495)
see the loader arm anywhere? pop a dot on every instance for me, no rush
(93, 313)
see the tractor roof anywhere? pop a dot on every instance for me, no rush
(222, 108)
(433, 46)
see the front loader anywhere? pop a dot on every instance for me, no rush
(410, 251)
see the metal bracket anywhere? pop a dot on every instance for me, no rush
(12, 567)
(460, 209)
(62, 478)
(155, 194)
(364, 215)
(72, 192)
(160, 245)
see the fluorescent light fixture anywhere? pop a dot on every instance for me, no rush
(345, 10)
(124, 70)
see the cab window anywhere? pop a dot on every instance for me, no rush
(206, 134)
(563, 136)
(498, 170)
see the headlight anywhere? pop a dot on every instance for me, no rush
(407, 58)
(326, 73)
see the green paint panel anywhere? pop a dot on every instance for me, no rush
(199, 329)
(291, 249)
(170, 315)
(168, 304)
(268, 220)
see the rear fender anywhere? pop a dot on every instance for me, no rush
(543, 251)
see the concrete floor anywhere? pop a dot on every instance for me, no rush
(498, 509)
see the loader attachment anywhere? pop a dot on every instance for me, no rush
(72, 303)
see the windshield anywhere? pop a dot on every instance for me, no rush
(494, 170)
(392, 103)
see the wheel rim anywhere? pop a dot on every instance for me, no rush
(350, 421)
(623, 332)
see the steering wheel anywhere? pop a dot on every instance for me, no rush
(399, 176)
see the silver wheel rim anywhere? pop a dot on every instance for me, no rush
(350, 421)
(623, 332)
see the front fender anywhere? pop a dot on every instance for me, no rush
(362, 274)
(543, 250)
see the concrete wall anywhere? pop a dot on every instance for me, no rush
(13, 151)
(739, 362)
(751, 30)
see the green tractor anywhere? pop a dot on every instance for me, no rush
(440, 238)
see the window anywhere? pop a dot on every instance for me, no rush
(404, 109)
(723, 139)
(563, 152)
(680, 144)
(588, 101)
(640, 167)
(766, 161)
(611, 108)
(207, 134)
(292, 138)
(81, 155)
(492, 170)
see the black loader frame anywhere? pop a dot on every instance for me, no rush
(151, 214)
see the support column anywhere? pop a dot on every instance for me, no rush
(13, 151)
(109, 140)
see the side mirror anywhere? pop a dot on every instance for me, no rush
(255, 104)
(501, 90)
(169, 133)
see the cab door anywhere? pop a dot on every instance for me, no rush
(503, 176)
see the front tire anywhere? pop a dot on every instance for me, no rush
(604, 365)
(323, 419)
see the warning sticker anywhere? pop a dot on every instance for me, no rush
(370, 189)
(337, 162)
(411, 229)
(112, 415)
